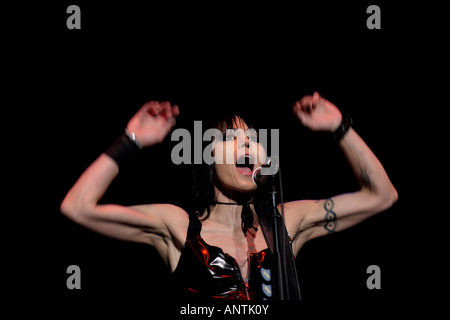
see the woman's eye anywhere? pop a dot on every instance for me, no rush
(228, 137)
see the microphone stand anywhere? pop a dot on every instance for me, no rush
(279, 240)
(274, 230)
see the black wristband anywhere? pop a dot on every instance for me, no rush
(123, 149)
(345, 125)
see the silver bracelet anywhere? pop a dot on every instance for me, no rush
(132, 137)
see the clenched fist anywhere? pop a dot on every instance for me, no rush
(152, 122)
(317, 113)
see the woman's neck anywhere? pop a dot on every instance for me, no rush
(230, 213)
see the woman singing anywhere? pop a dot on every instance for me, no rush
(224, 249)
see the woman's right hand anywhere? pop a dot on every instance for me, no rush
(152, 122)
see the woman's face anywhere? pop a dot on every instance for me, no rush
(236, 156)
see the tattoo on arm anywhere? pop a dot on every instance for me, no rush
(365, 179)
(330, 216)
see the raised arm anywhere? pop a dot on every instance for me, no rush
(149, 224)
(311, 219)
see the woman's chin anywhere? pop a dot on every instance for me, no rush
(245, 186)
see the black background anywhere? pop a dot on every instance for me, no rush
(84, 85)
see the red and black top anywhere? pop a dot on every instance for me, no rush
(205, 271)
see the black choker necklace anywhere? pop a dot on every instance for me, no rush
(232, 203)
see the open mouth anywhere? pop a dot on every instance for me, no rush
(245, 165)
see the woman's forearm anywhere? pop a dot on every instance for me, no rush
(147, 127)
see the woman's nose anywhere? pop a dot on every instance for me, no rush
(244, 142)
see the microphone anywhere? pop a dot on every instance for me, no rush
(261, 174)
(258, 178)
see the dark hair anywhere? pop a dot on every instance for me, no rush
(203, 174)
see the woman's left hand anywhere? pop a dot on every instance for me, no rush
(317, 113)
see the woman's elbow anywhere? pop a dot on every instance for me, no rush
(380, 199)
(388, 198)
(72, 210)
(394, 196)
(68, 209)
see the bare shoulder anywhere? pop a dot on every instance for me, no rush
(296, 215)
(174, 219)
(172, 223)
(168, 214)
(159, 208)
(295, 212)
